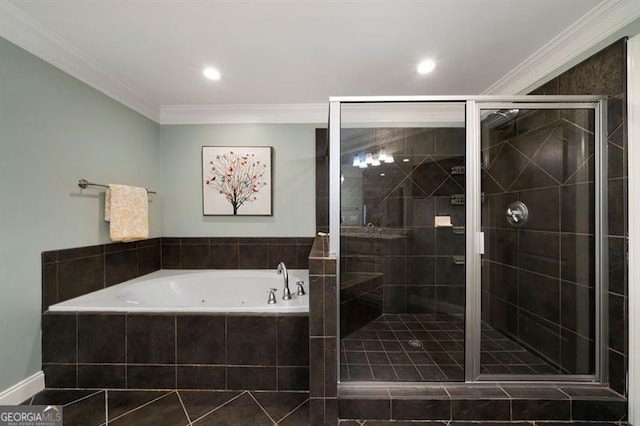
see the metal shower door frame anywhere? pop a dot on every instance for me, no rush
(474, 238)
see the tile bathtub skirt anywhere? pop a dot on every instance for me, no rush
(169, 351)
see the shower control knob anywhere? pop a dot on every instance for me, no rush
(517, 214)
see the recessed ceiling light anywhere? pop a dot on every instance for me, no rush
(426, 66)
(405, 160)
(211, 73)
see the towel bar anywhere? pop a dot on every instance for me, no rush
(83, 183)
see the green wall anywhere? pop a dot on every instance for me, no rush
(55, 130)
(293, 179)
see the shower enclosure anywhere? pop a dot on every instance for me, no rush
(469, 233)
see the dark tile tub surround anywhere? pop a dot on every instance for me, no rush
(70, 273)
(235, 253)
(169, 351)
(73, 272)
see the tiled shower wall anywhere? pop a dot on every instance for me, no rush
(73, 272)
(415, 259)
(538, 285)
(605, 74)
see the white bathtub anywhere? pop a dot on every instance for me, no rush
(217, 290)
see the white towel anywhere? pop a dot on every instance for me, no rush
(107, 205)
(127, 210)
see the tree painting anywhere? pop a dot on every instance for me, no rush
(237, 176)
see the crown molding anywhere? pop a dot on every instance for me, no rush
(27, 33)
(568, 47)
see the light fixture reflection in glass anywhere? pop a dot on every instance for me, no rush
(369, 158)
(365, 159)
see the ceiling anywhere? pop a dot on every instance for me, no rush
(297, 51)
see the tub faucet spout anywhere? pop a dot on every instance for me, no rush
(282, 269)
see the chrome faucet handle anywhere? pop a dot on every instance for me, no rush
(300, 291)
(272, 295)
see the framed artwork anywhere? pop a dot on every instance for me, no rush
(236, 181)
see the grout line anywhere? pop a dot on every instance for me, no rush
(586, 162)
(501, 145)
(183, 408)
(106, 406)
(140, 406)
(261, 407)
(294, 410)
(220, 406)
(84, 397)
(577, 126)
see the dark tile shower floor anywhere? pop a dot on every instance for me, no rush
(412, 347)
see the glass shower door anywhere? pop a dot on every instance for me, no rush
(402, 242)
(539, 285)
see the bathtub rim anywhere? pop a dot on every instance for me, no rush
(167, 273)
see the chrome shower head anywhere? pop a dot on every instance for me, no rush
(500, 117)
